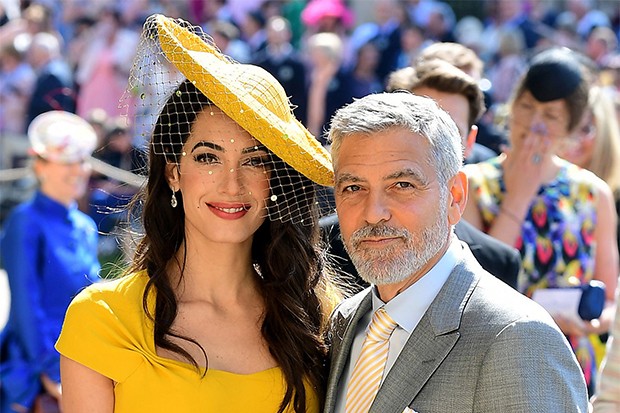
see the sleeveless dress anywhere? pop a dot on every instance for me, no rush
(107, 330)
(556, 244)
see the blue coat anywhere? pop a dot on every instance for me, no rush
(50, 253)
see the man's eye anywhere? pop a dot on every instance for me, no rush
(403, 185)
(351, 188)
(207, 158)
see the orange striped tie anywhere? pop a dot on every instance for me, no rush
(369, 367)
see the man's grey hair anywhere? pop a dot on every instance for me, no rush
(380, 112)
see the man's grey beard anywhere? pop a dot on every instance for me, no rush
(397, 262)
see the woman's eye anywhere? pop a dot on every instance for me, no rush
(206, 157)
(257, 161)
(551, 116)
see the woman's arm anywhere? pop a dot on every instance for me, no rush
(607, 395)
(523, 177)
(22, 248)
(507, 224)
(606, 264)
(84, 390)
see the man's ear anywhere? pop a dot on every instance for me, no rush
(37, 166)
(457, 187)
(172, 175)
(471, 139)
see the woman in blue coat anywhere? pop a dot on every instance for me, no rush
(49, 251)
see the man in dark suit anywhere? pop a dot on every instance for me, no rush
(280, 59)
(386, 37)
(455, 91)
(501, 260)
(54, 88)
(434, 332)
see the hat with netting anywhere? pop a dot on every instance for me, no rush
(248, 94)
(60, 136)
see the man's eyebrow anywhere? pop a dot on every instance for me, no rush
(412, 173)
(347, 177)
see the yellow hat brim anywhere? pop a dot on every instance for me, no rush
(219, 78)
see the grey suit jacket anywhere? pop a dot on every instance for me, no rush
(480, 347)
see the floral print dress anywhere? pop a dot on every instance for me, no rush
(556, 244)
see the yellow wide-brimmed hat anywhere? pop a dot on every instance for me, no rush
(249, 95)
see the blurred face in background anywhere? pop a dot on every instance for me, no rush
(548, 120)
(278, 32)
(368, 57)
(63, 182)
(580, 147)
(411, 39)
(457, 107)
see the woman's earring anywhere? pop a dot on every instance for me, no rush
(173, 200)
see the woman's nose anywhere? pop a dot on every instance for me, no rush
(231, 182)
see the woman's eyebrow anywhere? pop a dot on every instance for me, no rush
(208, 144)
(254, 148)
(216, 147)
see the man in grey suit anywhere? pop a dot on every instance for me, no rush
(464, 341)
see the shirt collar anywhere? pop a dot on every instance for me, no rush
(53, 207)
(408, 307)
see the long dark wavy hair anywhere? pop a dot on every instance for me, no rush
(287, 255)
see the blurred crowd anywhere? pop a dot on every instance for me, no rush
(76, 55)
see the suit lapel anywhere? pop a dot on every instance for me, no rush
(420, 357)
(343, 333)
(429, 344)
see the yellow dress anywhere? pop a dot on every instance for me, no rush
(107, 330)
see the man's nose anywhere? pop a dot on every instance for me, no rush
(376, 208)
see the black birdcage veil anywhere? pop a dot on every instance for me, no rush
(171, 110)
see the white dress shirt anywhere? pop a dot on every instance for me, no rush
(407, 309)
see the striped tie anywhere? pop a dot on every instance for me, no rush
(368, 370)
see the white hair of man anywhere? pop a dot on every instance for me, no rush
(420, 115)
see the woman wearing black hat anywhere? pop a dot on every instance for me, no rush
(560, 217)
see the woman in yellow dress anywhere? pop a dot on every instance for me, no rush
(224, 306)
